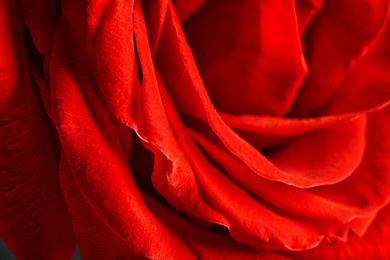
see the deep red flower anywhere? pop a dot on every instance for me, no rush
(213, 129)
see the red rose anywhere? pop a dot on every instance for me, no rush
(195, 129)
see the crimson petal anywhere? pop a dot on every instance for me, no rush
(34, 220)
(341, 33)
(306, 9)
(257, 44)
(41, 18)
(374, 244)
(93, 150)
(94, 238)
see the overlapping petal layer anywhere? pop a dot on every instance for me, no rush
(201, 129)
(257, 44)
(34, 220)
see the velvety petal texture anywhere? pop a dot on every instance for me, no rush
(34, 220)
(200, 129)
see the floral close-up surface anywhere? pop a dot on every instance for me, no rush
(195, 129)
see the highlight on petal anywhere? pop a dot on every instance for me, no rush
(248, 53)
(154, 15)
(110, 48)
(267, 132)
(340, 34)
(188, 80)
(185, 87)
(248, 221)
(305, 10)
(91, 145)
(160, 134)
(256, 161)
(365, 85)
(302, 236)
(368, 187)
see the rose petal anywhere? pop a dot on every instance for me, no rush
(207, 244)
(94, 238)
(301, 237)
(257, 44)
(326, 215)
(160, 134)
(154, 15)
(187, 79)
(109, 37)
(110, 40)
(248, 220)
(366, 85)
(368, 187)
(285, 126)
(312, 158)
(185, 87)
(369, 93)
(92, 158)
(265, 132)
(41, 18)
(306, 9)
(341, 33)
(185, 8)
(91, 145)
(360, 225)
(321, 165)
(242, 174)
(374, 244)
(34, 220)
(43, 91)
